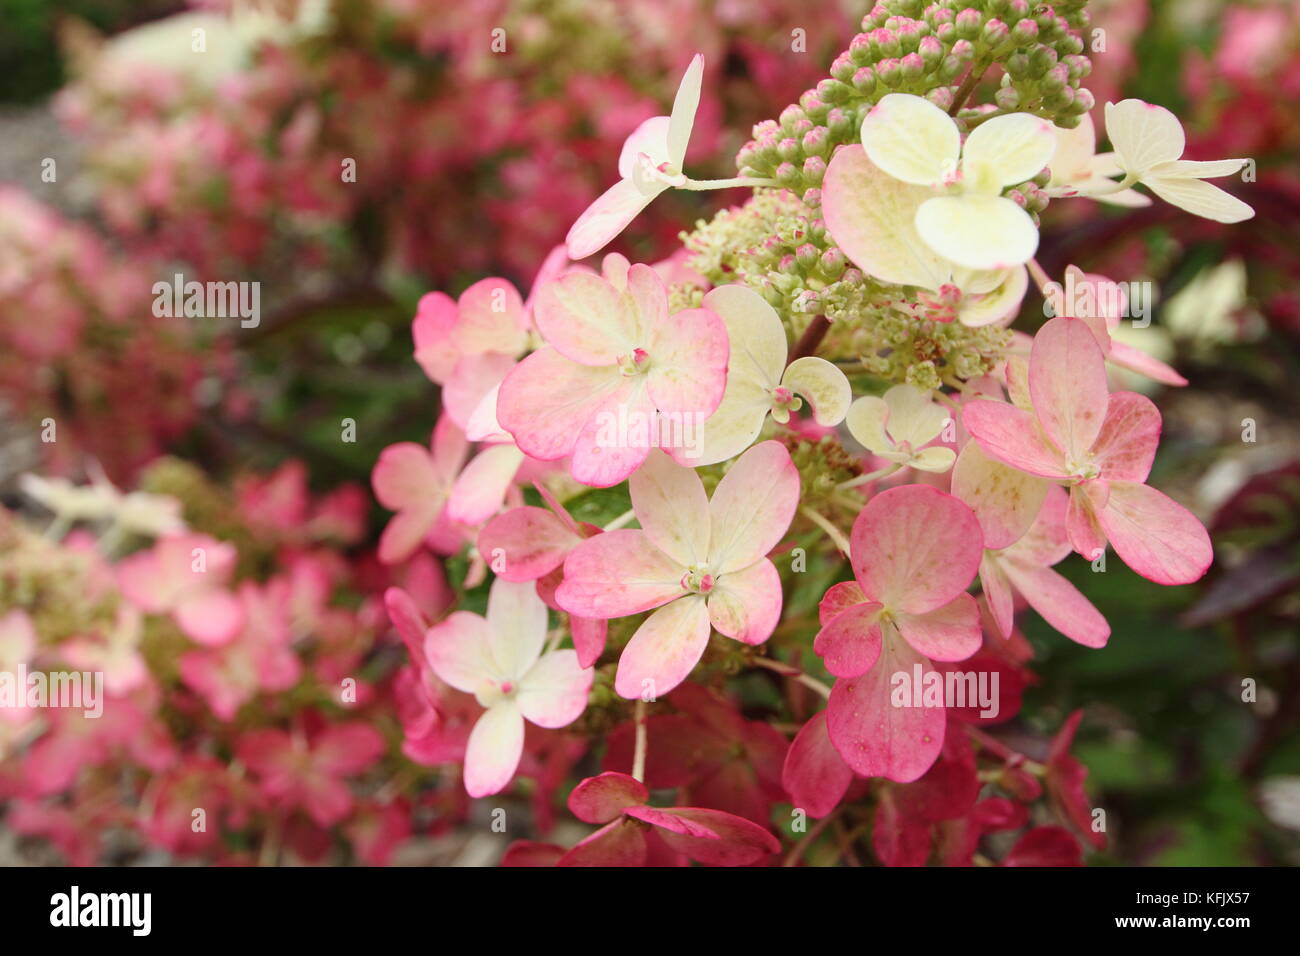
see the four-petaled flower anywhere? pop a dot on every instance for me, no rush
(500, 660)
(899, 426)
(758, 381)
(974, 225)
(1149, 143)
(914, 551)
(1100, 445)
(615, 361)
(699, 561)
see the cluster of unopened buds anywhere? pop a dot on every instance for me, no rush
(741, 454)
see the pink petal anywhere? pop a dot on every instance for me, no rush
(838, 599)
(1060, 603)
(1045, 846)
(589, 636)
(459, 651)
(524, 544)
(1134, 359)
(211, 618)
(603, 798)
(436, 315)
(1067, 383)
(620, 843)
(1155, 535)
(875, 738)
(752, 507)
(1011, 435)
(404, 532)
(346, 749)
(1004, 499)
(404, 477)
(849, 643)
(688, 363)
(746, 604)
(664, 649)
(604, 454)
(474, 377)
(605, 218)
(554, 692)
(815, 775)
(672, 508)
(997, 593)
(586, 320)
(546, 399)
(495, 746)
(480, 491)
(616, 574)
(1126, 445)
(948, 633)
(491, 319)
(710, 836)
(915, 548)
(1086, 501)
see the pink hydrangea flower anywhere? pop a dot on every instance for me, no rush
(1023, 519)
(530, 544)
(260, 658)
(186, 575)
(619, 804)
(914, 551)
(614, 354)
(500, 660)
(701, 562)
(1102, 303)
(115, 653)
(650, 162)
(311, 774)
(415, 483)
(1101, 446)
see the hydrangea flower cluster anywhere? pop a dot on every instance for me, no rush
(808, 449)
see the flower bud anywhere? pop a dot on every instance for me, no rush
(968, 23)
(911, 67)
(812, 198)
(806, 256)
(814, 168)
(860, 50)
(789, 116)
(787, 174)
(889, 73)
(1007, 98)
(833, 263)
(864, 81)
(843, 68)
(995, 35)
(1025, 32)
(886, 43)
(788, 148)
(817, 141)
(832, 91)
(931, 52)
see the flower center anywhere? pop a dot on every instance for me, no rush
(1083, 471)
(697, 579)
(492, 691)
(634, 364)
(784, 402)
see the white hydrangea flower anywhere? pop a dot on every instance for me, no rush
(973, 224)
(1149, 143)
